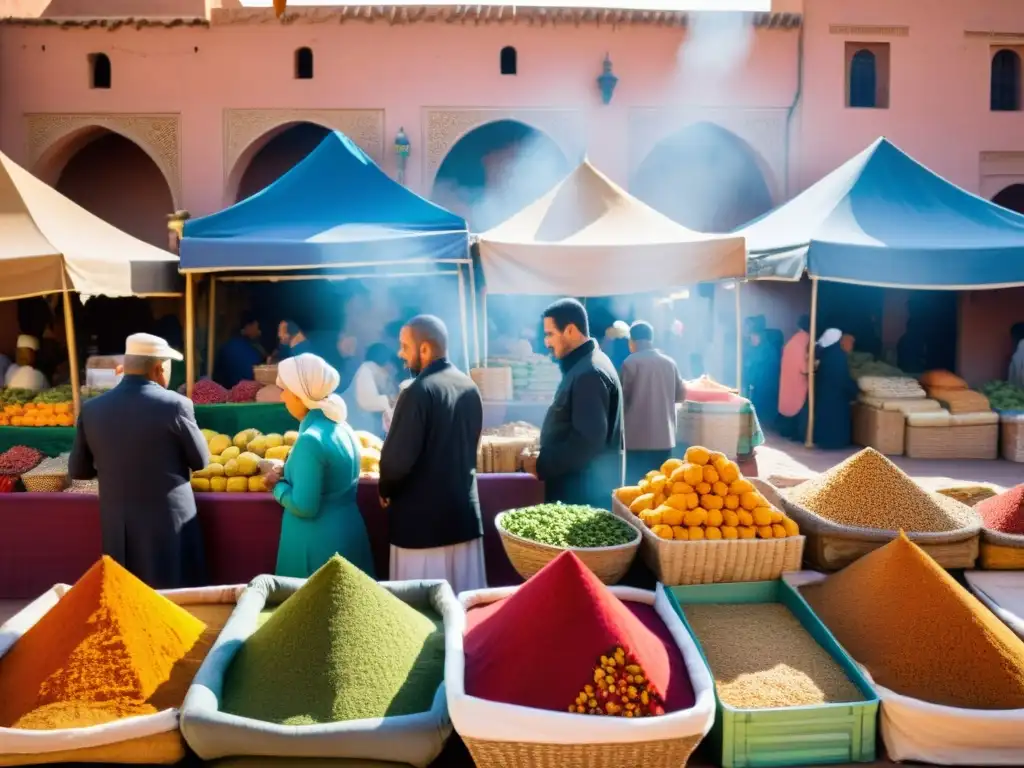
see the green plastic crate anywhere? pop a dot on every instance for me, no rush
(814, 735)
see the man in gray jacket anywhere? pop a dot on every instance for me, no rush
(141, 440)
(651, 387)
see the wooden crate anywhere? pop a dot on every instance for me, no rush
(878, 429)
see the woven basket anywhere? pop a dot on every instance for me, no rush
(1001, 551)
(609, 564)
(54, 483)
(831, 546)
(265, 374)
(1011, 439)
(677, 563)
(715, 431)
(672, 753)
(878, 429)
(966, 441)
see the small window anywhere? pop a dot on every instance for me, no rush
(509, 63)
(1005, 82)
(99, 70)
(304, 64)
(867, 75)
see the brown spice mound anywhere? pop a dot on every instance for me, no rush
(869, 491)
(920, 633)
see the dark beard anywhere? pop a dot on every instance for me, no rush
(417, 367)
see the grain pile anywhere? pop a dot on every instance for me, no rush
(762, 657)
(869, 491)
(1005, 512)
(341, 648)
(920, 633)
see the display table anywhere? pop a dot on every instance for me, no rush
(46, 538)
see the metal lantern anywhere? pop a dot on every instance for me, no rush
(401, 153)
(607, 80)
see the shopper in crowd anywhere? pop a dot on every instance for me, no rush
(762, 364)
(371, 395)
(651, 387)
(292, 342)
(616, 344)
(428, 465)
(834, 392)
(239, 354)
(317, 485)
(581, 448)
(141, 441)
(1016, 372)
(24, 374)
(793, 382)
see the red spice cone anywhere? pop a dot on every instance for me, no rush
(539, 647)
(1004, 512)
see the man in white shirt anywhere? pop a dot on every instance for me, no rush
(23, 374)
(371, 394)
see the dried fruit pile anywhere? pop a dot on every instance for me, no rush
(207, 392)
(19, 460)
(244, 392)
(620, 689)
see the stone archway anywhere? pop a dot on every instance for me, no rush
(278, 153)
(705, 177)
(495, 169)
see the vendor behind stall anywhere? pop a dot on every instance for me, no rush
(293, 341)
(371, 395)
(23, 374)
(236, 359)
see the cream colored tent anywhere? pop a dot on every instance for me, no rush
(48, 244)
(589, 237)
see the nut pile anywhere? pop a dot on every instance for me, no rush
(620, 689)
(19, 459)
(562, 525)
(869, 491)
(58, 465)
(761, 657)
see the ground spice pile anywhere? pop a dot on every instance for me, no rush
(762, 657)
(1005, 512)
(869, 491)
(341, 648)
(547, 645)
(920, 633)
(110, 648)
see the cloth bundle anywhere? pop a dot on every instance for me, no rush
(944, 418)
(960, 400)
(890, 387)
(904, 406)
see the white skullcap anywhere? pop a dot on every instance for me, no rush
(28, 342)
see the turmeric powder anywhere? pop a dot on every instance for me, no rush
(110, 648)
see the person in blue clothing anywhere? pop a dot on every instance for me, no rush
(317, 486)
(293, 341)
(235, 360)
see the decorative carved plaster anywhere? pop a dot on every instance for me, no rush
(159, 135)
(764, 130)
(1013, 38)
(869, 30)
(244, 126)
(444, 128)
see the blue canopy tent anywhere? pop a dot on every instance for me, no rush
(334, 211)
(883, 219)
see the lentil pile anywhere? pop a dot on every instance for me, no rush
(1005, 512)
(110, 648)
(920, 633)
(869, 491)
(762, 657)
(564, 641)
(341, 648)
(562, 525)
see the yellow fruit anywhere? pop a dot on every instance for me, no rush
(644, 485)
(651, 474)
(729, 472)
(650, 517)
(712, 534)
(218, 484)
(681, 488)
(692, 474)
(741, 486)
(280, 452)
(257, 446)
(778, 532)
(732, 501)
(231, 467)
(658, 483)
(642, 502)
(697, 454)
(662, 531)
(695, 517)
(205, 472)
(215, 470)
(747, 531)
(200, 484)
(776, 517)
(703, 488)
(677, 474)
(238, 485)
(762, 516)
(671, 466)
(245, 437)
(714, 518)
(231, 452)
(248, 464)
(290, 437)
(368, 440)
(257, 484)
(696, 533)
(720, 489)
(218, 460)
(790, 527)
(764, 532)
(750, 501)
(730, 518)
(692, 501)
(716, 457)
(679, 533)
(671, 515)
(710, 475)
(676, 501)
(627, 494)
(209, 434)
(273, 440)
(710, 501)
(745, 517)
(659, 499)
(730, 532)
(218, 443)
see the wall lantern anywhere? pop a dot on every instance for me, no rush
(401, 153)
(607, 81)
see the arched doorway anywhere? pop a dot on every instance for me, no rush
(704, 177)
(495, 170)
(113, 178)
(1011, 197)
(276, 154)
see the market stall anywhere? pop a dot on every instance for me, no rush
(883, 219)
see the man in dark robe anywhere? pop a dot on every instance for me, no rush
(834, 392)
(141, 440)
(581, 447)
(240, 354)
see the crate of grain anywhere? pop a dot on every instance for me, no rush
(787, 693)
(862, 503)
(879, 429)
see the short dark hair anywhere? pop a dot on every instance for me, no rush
(292, 327)
(566, 312)
(248, 318)
(379, 354)
(431, 330)
(804, 323)
(641, 330)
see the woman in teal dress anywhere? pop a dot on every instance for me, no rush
(317, 486)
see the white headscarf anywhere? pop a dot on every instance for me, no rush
(830, 337)
(313, 381)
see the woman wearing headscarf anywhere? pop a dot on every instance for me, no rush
(317, 486)
(834, 391)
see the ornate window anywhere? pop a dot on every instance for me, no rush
(304, 64)
(509, 60)
(1005, 81)
(99, 70)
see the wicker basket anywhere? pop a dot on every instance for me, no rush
(878, 429)
(1011, 438)
(1001, 551)
(265, 374)
(672, 753)
(831, 546)
(609, 564)
(676, 563)
(502, 454)
(40, 483)
(964, 441)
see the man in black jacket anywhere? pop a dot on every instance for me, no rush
(581, 452)
(428, 466)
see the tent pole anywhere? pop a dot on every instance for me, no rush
(69, 329)
(190, 336)
(211, 347)
(809, 441)
(739, 341)
(464, 318)
(476, 322)
(483, 318)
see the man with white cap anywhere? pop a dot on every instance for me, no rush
(141, 441)
(23, 374)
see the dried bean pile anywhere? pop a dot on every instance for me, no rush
(869, 491)
(207, 392)
(19, 460)
(244, 392)
(762, 658)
